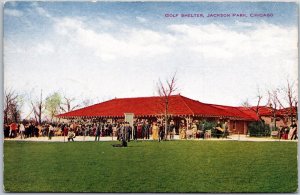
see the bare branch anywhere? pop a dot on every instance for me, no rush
(67, 104)
(165, 91)
(38, 107)
(12, 104)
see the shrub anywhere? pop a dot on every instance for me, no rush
(210, 125)
(258, 128)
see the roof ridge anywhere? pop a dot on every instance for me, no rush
(182, 97)
(249, 109)
(144, 97)
(222, 105)
(228, 111)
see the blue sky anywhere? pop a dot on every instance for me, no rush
(102, 50)
(284, 13)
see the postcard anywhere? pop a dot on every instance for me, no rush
(150, 97)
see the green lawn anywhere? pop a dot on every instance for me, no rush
(170, 166)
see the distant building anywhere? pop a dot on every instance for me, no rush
(283, 116)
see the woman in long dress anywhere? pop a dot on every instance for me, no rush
(194, 129)
(182, 132)
(155, 131)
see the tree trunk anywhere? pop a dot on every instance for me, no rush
(166, 119)
(291, 112)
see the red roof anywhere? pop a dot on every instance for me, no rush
(287, 111)
(263, 110)
(250, 112)
(239, 112)
(154, 106)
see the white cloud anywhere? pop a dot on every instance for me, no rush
(215, 41)
(41, 11)
(43, 48)
(133, 42)
(13, 12)
(243, 24)
(141, 19)
(214, 63)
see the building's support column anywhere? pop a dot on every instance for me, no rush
(245, 128)
(188, 121)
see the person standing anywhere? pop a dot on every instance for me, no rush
(182, 131)
(71, 135)
(114, 130)
(226, 129)
(172, 130)
(51, 130)
(202, 130)
(128, 131)
(219, 129)
(109, 129)
(62, 127)
(12, 130)
(294, 131)
(123, 131)
(36, 131)
(98, 132)
(31, 130)
(194, 130)
(146, 128)
(118, 131)
(155, 130)
(6, 130)
(22, 131)
(143, 135)
(161, 132)
(139, 130)
(134, 131)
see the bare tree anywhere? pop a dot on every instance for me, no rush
(274, 103)
(255, 108)
(66, 104)
(291, 97)
(11, 109)
(165, 91)
(87, 102)
(259, 98)
(246, 103)
(38, 107)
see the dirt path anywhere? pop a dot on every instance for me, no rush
(92, 138)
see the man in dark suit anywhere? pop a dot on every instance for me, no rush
(146, 130)
(98, 132)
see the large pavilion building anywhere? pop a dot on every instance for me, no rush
(180, 108)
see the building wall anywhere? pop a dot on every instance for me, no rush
(238, 127)
(281, 122)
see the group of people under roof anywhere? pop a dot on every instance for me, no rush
(140, 129)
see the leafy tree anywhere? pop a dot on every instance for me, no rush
(53, 103)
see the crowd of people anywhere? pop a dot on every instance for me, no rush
(141, 129)
(286, 132)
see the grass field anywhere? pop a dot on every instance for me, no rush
(171, 166)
